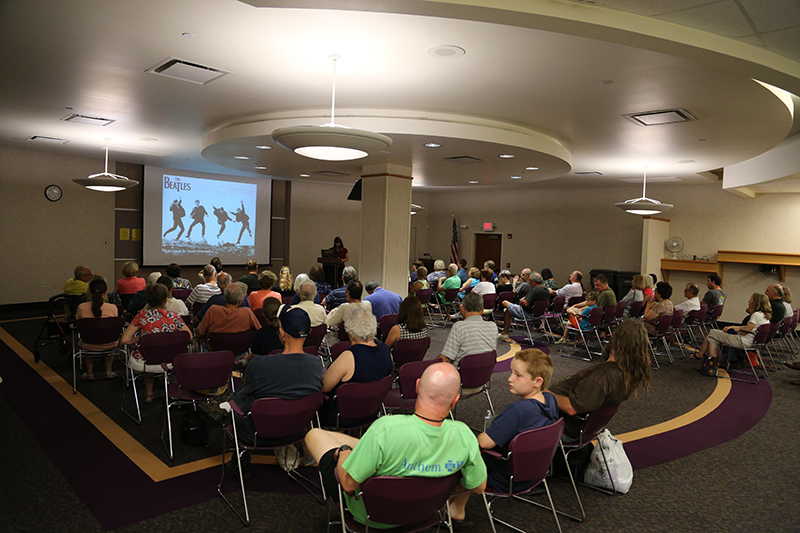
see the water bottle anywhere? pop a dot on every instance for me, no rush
(487, 420)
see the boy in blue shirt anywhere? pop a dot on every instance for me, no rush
(531, 371)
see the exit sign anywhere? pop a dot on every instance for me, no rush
(488, 226)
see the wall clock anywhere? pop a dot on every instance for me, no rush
(53, 193)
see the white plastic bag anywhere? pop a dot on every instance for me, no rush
(621, 471)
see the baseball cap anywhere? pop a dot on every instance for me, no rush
(295, 322)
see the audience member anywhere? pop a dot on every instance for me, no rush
(223, 281)
(715, 295)
(605, 296)
(549, 283)
(268, 338)
(317, 275)
(174, 271)
(216, 262)
(426, 443)
(537, 293)
(493, 267)
(231, 317)
(203, 291)
(366, 360)
(775, 294)
(636, 294)
(741, 337)
(484, 286)
(79, 284)
(421, 282)
(572, 289)
(251, 278)
(97, 308)
(139, 299)
(531, 371)
(414, 276)
(383, 302)
(462, 273)
(130, 284)
(471, 335)
(266, 282)
(522, 284)
(289, 375)
(437, 274)
(307, 293)
(626, 369)
(504, 282)
(410, 322)
(338, 296)
(173, 304)
(584, 313)
(354, 292)
(692, 301)
(787, 301)
(285, 282)
(154, 319)
(452, 281)
(473, 279)
(662, 306)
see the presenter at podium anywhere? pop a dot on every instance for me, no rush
(339, 250)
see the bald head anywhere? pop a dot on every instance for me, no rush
(223, 280)
(439, 386)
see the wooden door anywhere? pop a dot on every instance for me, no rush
(488, 246)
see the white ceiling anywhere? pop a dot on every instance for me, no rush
(550, 85)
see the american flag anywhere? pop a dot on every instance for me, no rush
(454, 244)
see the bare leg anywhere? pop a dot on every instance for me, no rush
(458, 503)
(148, 388)
(319, 441)
(109, 363)
(506, 319)
(89, 365)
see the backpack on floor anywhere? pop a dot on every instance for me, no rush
(193, 429)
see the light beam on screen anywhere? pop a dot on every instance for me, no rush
(190, 217)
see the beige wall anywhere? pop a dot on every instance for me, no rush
(43, 241)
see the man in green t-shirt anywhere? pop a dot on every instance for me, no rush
(452, 281)
(426, 444)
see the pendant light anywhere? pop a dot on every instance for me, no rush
(105, 181)
(644, 205)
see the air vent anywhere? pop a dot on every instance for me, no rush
(589, 173)
(331, 174)
(85, 119)
(184, 70)
(464, 160)
(52, 140)
(659, 118)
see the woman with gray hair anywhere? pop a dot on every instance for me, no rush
(366, 360)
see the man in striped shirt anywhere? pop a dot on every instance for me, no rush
(471, 335)
(203, 291)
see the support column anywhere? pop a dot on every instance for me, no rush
(385, 226)
(655, 231)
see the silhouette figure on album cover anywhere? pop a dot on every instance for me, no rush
(198, 215)
(242, 217)
(222, 218)
(178, 212)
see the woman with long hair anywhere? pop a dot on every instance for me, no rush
(268, 339)
(285, 281)
(340, 250)
(738, 336)
(410, 322)
(636, 294)
(97, 308)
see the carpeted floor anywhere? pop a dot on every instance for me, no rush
(731, 469)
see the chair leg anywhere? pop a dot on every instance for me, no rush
(246, 518)
(132, 384)
(168, 421)
(489, 512)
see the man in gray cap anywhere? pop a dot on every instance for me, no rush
(288, 375)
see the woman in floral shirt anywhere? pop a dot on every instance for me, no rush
(152, 319)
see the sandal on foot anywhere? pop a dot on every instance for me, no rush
(87, 376)
(111, 375)
(148, 398)
(695, 357)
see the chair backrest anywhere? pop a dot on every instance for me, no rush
(197, 307)
(762, 332)
(539, 308)
(195, 371)
(664, 323)
(286, 300)
(424, 295)
(343, 336)
(181, 294)
(361, 400)
(315, 336)
(469, 289)
(701, 315)
(636, 309)
(575, 300)
(596, 317)
(160, 348)
(408, 375)
(620, 312)
(386, 323)
(338, 348)
(476, 369)
(100, 330)
(715, 313)
(261, 318)
(596, 421)
(773, 329)
(126, 299)
(504, 296)
(407, 350)
(677, 319)
(238, 343)
(489, 300)
(691, 317)
(451, 295)
(531, 452)
(558, 304)
(609, 312)
(406, 500)
(275, 417)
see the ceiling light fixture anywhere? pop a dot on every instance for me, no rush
(331, 142)
(644, 205)
(516, 177)
(531, 168)
(506, 156)
(106, 182)
(432, 145)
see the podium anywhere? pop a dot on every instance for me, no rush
(332, 267)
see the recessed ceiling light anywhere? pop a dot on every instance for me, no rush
(240, 157)
(187, 34)
(264, 147)
(261, 168)
(531, 168)
(516, 177)
(149, 139)
(506, 156)
(608, 82)
(432, 145)
(686, 161)
(413, 212)
(473, 182)
(446, 51)
(305, 175)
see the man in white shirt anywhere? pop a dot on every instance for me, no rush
(202, 292)
(354, 292)
(692, 302)
(573, 288)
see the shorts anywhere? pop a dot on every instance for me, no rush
(516, 311)
(327, 466)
